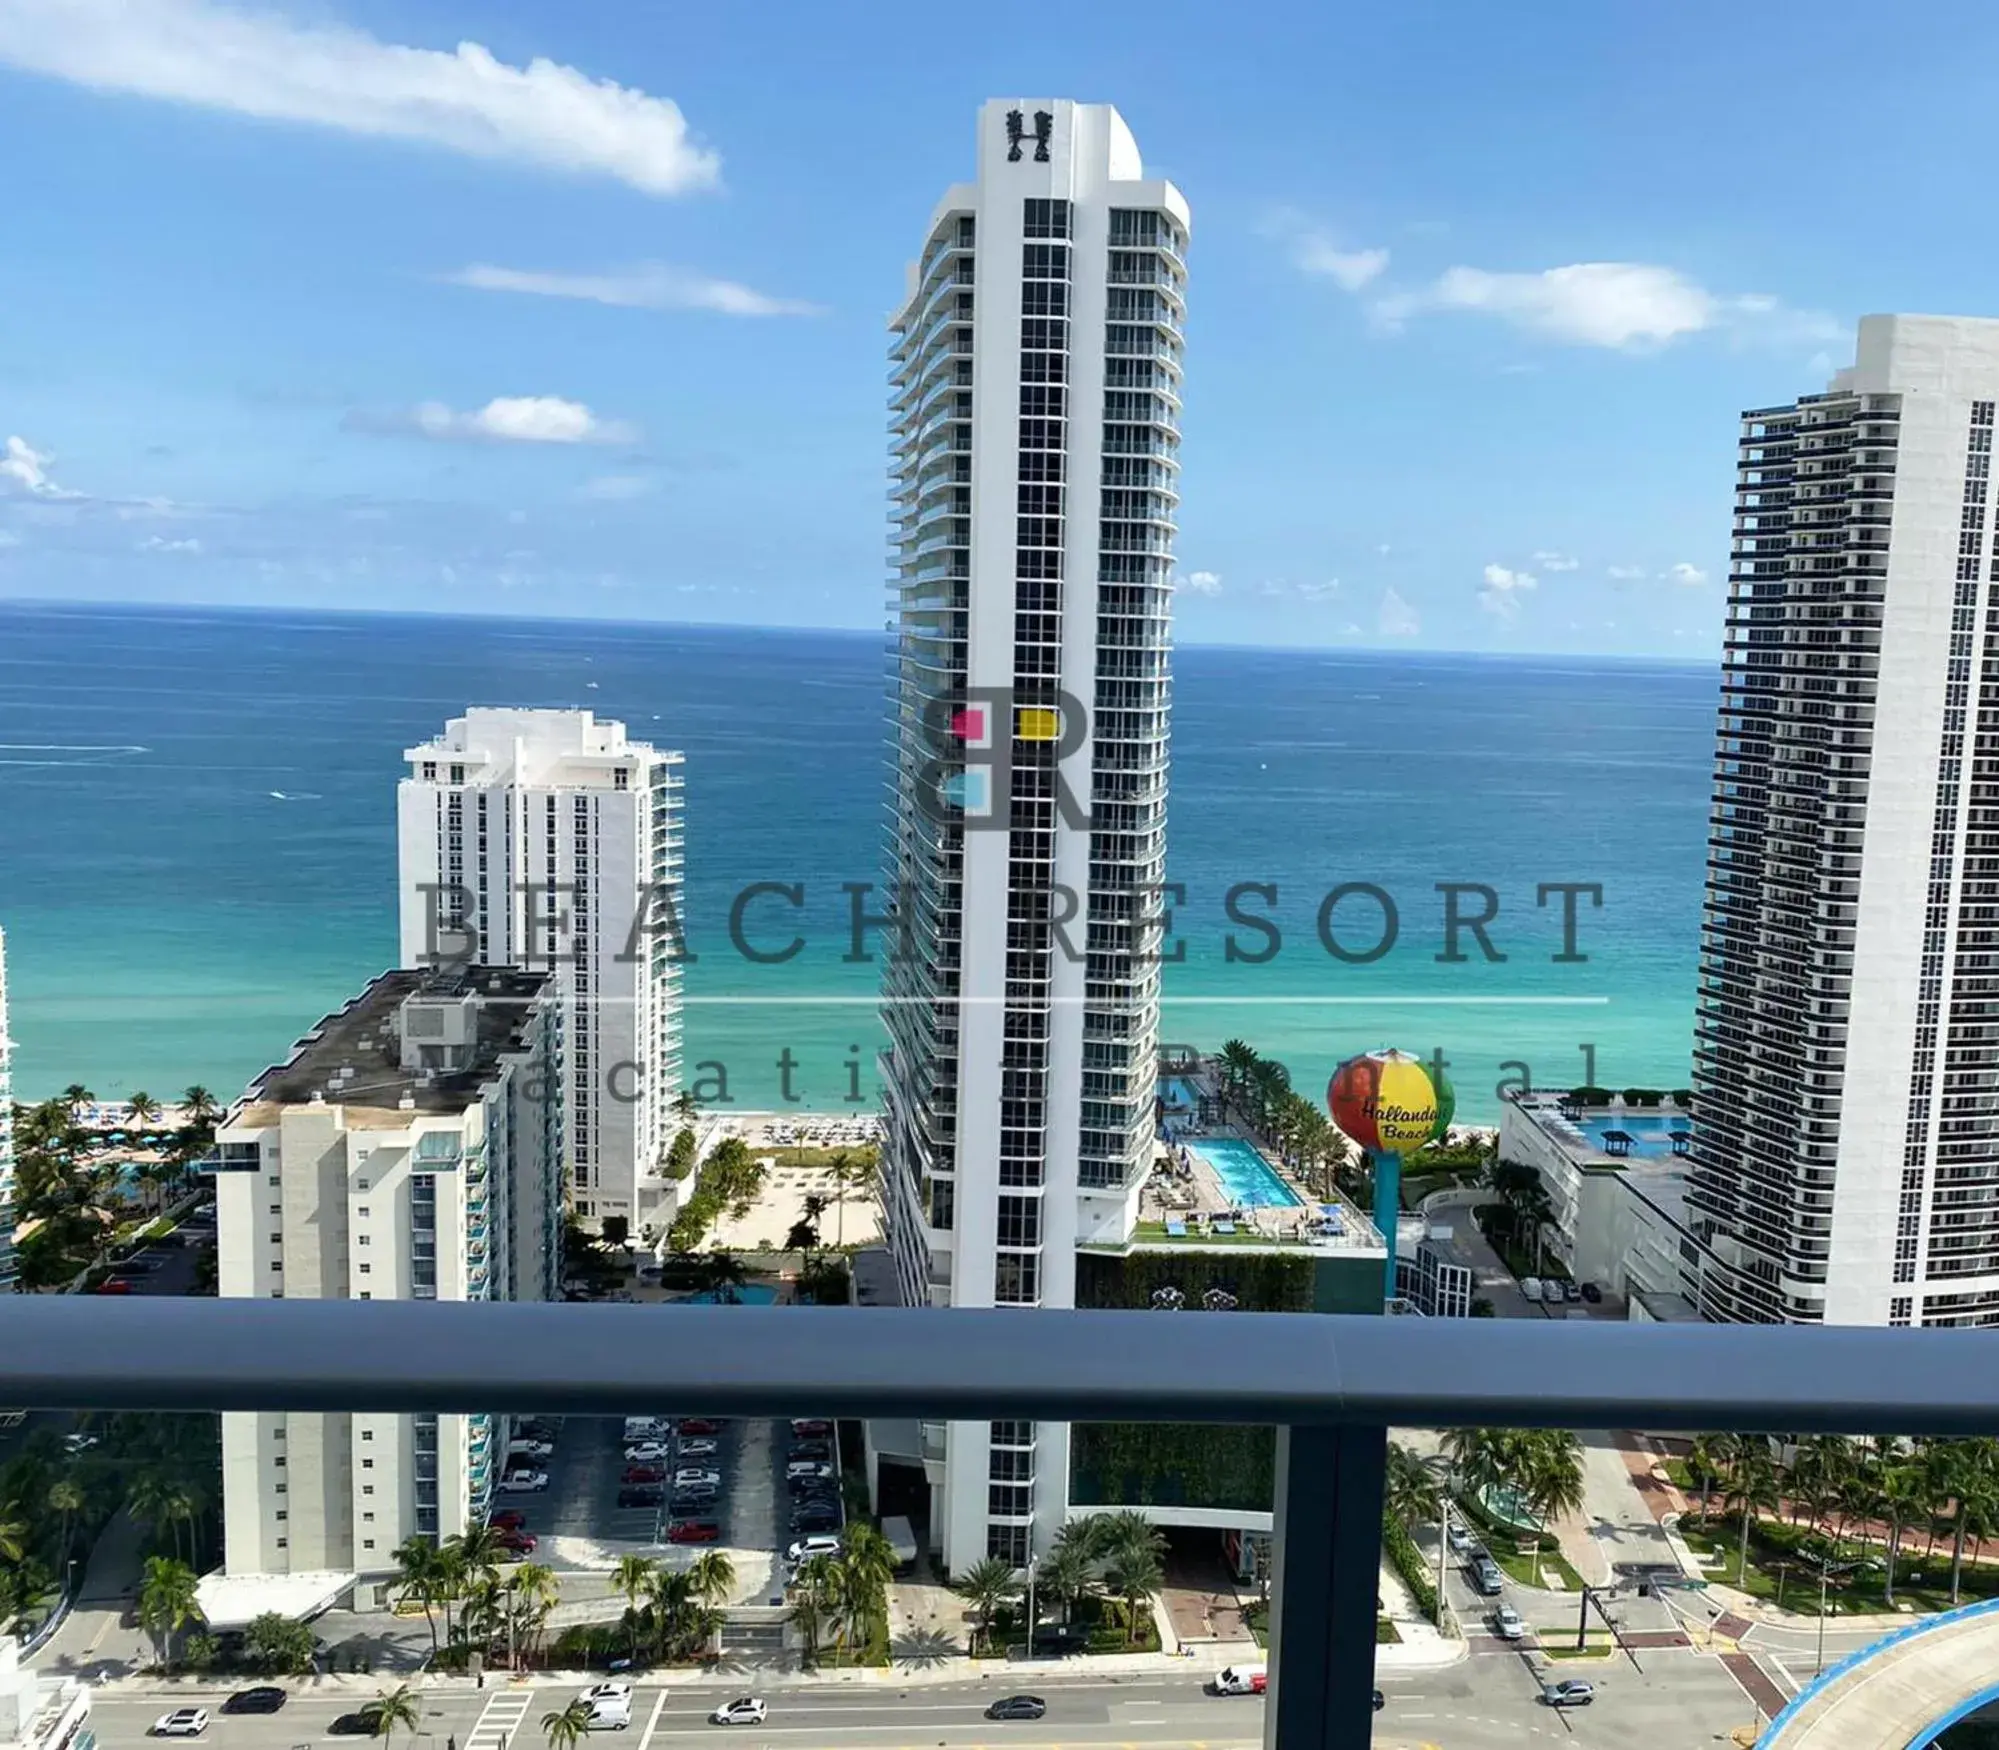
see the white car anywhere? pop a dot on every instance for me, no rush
(1508, 1623)
(808, 1547)
(748, 1710)
(613, 1689)
(74, 1443)
(531, 1448)
(183, 1722)
(807, 1467)
(699, 1447)
(645, 1452)
(524, 1482)
(685, 1479)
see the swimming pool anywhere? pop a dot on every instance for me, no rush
(1246, 1176)
(1651, 1134)
(750, 1294)
(1179, 1093)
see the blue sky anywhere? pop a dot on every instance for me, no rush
(305, 304)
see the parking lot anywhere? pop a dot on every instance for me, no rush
(579, 1523)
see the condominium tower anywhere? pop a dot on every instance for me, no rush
(406, 1151)
(7, 1268)
(1034, 412)
(550, 841)
(1846, 1138)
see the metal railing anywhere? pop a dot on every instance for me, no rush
(1333, 1387)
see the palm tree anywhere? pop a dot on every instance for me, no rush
(814, 1592)
(632, 1576)
(1972, 1482)
(1904, 1492)
(863, 1569)
(393, 1708)
(145, 1112)
(565, 1727)
(1704, 1462)
(724, 1274)
(477, 1552)
(167, 1603)
(66, 1497)
(1412, 1486)
(1238, 1061)
(77, 1095)
(713, 1576)
(985, 1586)
(1066, 1574)
(1134, 1573)
(200, 1104)
(1552, 1481)
(420, 1578)
(1269, 1082)
(532, 1590)
(673, 1611)
(1752, 1486)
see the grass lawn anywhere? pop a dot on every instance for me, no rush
(1922, 1582)
(1568, 1650)
(809, 1156)
(1384, 1633)
(1527, 1569)
(1155, 1231)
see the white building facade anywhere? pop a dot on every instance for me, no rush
(550, 841)
(409, 1150)
(1036, 396)
(41, 1713)
(1846, 1144)
(8, 1272)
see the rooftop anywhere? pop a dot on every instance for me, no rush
(354, 1058)
(1608, 1136)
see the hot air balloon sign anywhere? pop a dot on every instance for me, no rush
(1391, 1104)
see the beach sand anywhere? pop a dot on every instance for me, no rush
(852, 1220)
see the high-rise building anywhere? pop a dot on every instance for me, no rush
(550, 841)
(408, 1150)
(1846, 1135)
(1035, 419)
(7, 1268)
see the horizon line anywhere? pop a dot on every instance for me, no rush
(107, 605)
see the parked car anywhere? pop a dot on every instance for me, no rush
(693, 1531)
(646, 1452)
(1592, 1293)
(1486, 1577)
(686, 1476)
(78, 1441)
(522, 1482)
(363, 1724)
(1530, 1286)
(614, 1688)
(641, 1495)
(811, 1425)
(532, 1448)
(811, 1449)
(507, 1519)
(1509, 1624)
(813, 1488)
(1461, 1540)
(642, 1473)
(613, 1713)
(805, 1548)
(701, 1447)
(1017, 1707)
(522, 1542)
(807, 1467)
(1058, 1640)
(183, 1722)
(115, 1285)
(700, 1425)
(1570, 1692)
(1571, 1292)
(746, 1710)
(815, 1519)
(266, 1698)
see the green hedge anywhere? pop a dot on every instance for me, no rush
(1260, 1281)
(1407, 1560)
(1171, 1464)
(730, 1178)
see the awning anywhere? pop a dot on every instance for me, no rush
(236, 1600)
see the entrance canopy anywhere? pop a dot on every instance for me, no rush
(236, 1600)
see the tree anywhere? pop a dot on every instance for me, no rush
(200, 1105)
(1238, 1061)
(724, 1275)
(804, 1234)
(1135, 1575)
(145, 1112)
(13, 1533)
(1704, 1465)
(422, 1576)
(565, 1726)
(1551, 1482)
(813, 1594)
(1066, 1574)
(531, 1592)
(1411, 1485)
(1904, 1493)
(863, 1569)
(477, 1552)
(713, 1576)
(985, 1586)
(1752, 1486)
(278, 1645)
(393, 1708)
(76, 1096)
(167, 1603)
(66, 1497)
(1972, 1481)
(633, 1577)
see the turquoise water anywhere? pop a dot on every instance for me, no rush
(750, 1294)
(1179, 1094)
(1246, 1176)
(197, 841)
(1649, 1136)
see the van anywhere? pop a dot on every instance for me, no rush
(1241, 1680)
(610, 1713)
(645, 1428)
(1531, 1287)
(1486, 1577)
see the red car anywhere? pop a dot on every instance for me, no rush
(643, 1473)
(810, 1426)
(700, 1425)
(507, 1519)
(115, 1285)
(521, 1542)
(693, 1531)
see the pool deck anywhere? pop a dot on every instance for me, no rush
(1194, 1200)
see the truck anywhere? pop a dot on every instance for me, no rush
(901, 1537)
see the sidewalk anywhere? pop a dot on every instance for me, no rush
(1422, 1647)
(93, 1641)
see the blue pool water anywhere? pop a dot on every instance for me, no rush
(750, 1294)
(1179, 1094)
(1245, 1175)
(1650, 1133)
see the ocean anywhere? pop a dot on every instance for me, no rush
(197, 842)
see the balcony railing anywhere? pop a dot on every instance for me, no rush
(1333, 1386)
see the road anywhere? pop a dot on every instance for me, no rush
(1482, 1704)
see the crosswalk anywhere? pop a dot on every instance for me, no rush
(500, 1719)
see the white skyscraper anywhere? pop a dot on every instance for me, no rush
(406, 1151)
(7, 1269)
(547, 840)
(1035, 412)
(1846, 1142)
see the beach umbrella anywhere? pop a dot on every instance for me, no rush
(1390, 1103)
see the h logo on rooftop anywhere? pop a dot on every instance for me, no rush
(975, 739)
(1016, 134)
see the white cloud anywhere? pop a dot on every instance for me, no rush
(1690, 575)
(160, 544)
(1625, 305)
(613, 488)
(520, 419)
(1319, 591)
(1556, 561)
(1503, 589)
(1349, 269)
(23, 468)
(1395, 618)
(1624, 573)
(1201, 583)
(329, 75)
(650, 287)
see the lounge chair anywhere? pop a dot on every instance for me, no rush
(1222, 1227)
(1176, 1230)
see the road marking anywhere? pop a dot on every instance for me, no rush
(659, 1703)
(500, 1719)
